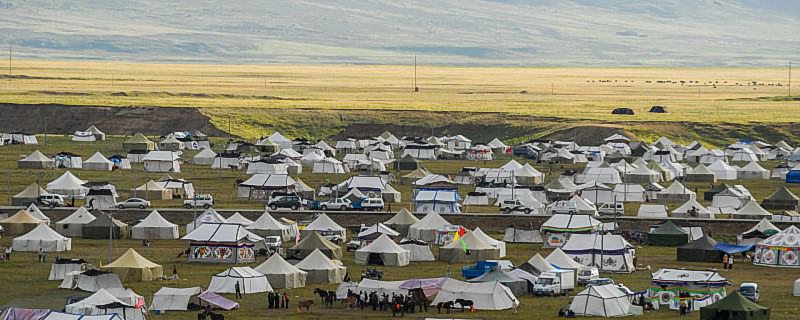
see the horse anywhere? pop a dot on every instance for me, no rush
(466, 303)
(304, 304)
(350, 302)
(417, 295)
(326, 297)
(446, 305)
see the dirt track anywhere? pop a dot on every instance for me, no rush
(63, 119)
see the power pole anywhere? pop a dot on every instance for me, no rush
(416, 88)
(790, 78)
(10, 50)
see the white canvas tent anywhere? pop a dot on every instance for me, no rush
(35, 160)
(382, 251)
(419, 250)
(37, 213)
(753, 171)
(536, 265)
(162, 161)
(321, 269)
(68, 185)
(91, 306)
(608, 253)
(426, 228)
(175, 299)
(477, 249)
(98, 162)
(153, 227)
(601, 301)
(485, 295)
(751, 210)
(491, 241)
(686, 207)
(515, 235)
(722, 170)
(281, 274)
(325, 226)
(204, 157)
(652, 211)
(208, 216)
(61, 267)
(267, 226)
(239, 219)
(91, 280)
(42, 237)
(250, 281)
(628, 192)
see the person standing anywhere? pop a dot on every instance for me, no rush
(285, 300)
(8, 253)
(44, 256)
(269, 300)
(725, 262)
(39, 255)
(730, 262)
(238, 290)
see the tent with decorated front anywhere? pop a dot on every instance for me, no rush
(222, 243)
(609, 253)
(704, 287)
(779, 250)
(558, 228)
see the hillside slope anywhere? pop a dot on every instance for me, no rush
(499, 32)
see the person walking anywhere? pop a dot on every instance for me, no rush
(238, 290)
(725, 262)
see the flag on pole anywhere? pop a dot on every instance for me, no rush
(460, 236)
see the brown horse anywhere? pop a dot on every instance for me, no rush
(417, 295)
(350, 302)
(304, 304)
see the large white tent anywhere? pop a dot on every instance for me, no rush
(321, 269)
(98, 162)
(239, 219)
(325, 226)
(61, 267)
(476, 249)
(72, 225)
(485, 295)
(281, 274)
(208, 216)
(751, 210)
(419, 250)
(44, 238)
(500, 245)
(383, 251)
(753, 171)
(68, 185)
(652, 211)
(175, 299)
(722, 170)
(250, 281)
(154, 226)
(781, 249)
(601, 301)
(610, 253)
(92, 306)
(204, 157)
(35, 160)
(426, 228)
(629, 192)
(267, 226)
(91, 280)
(699, 211)
(162, 161)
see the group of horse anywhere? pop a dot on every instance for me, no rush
(414, 301)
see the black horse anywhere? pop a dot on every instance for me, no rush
(446, 305)
(465, 303)
(326, 297)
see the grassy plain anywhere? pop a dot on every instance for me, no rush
(258, 98)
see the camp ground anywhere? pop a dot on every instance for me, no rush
(436, 223)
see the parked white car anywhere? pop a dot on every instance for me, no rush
(336, 204)
(201, 200)
(611, 208)
(509, 206)
(51, 200)
(372, 204)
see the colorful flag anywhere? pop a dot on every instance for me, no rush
(460, 236)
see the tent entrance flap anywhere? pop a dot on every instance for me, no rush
(375, 259)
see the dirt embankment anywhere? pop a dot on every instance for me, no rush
(64, 119)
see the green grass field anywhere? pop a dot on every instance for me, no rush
(260, 98)
(25, 284)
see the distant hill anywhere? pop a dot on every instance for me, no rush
(459, 32)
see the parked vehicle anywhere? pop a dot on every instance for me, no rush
(51, 200)
(749, 290)
(134, 203)
(555, 282)
(600, 282)
(289, 201)
(201, 200)
(509, 206)
(569, 207)
(588, 274)
(336, 204)
(369, 204)
(273, 242)
(611, 208)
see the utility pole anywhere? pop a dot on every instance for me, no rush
(790, 78)
(10, 50)
(416, 88)
(110, 239)
(112, 79)
(265, 82)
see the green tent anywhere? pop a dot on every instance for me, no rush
(408, 163)
(668, 235)
(734, 307)
(700, 250)
(138, 142)
(709, 195)
(781, 199)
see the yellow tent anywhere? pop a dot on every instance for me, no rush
(20, 223)
(132, 267)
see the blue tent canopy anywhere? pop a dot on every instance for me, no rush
(733, 248)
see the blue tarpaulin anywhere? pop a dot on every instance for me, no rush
(733, 248)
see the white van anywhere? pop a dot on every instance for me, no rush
(51, 200)
(611, 208)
